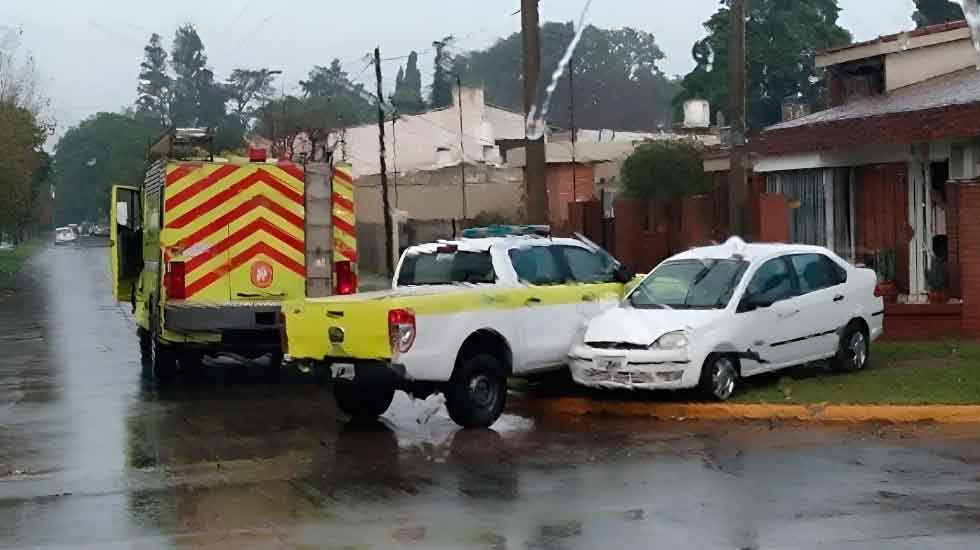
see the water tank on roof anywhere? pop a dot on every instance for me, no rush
(697, 113)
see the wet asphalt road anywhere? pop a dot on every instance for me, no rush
(93, 456)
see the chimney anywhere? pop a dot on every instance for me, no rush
(697, 113)
(794, 108)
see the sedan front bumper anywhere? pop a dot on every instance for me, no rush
(633, 369)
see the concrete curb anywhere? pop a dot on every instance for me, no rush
(576, 406)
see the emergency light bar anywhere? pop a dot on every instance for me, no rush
(507, 231)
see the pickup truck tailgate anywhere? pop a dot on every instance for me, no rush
(353, 326)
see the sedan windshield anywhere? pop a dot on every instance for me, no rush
(689, 284)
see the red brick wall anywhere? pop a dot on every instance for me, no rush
(952, 233)
(773, 218)
(558, 178)
(881, 216)
(969, 256)
(900, 128)
(922, 322)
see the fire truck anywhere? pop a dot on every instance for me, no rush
(206, 249)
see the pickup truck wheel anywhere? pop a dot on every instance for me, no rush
(719, 376)
(477, 392)
(853, 352)
(360, 401)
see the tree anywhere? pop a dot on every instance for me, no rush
(21, 138)
(665, 170)
(248, 89)
(933, 12)
(197, 99)
(104, 150)
(408, 87)
(618, 83)
(155, 85)
(782, 40)
(442, 79)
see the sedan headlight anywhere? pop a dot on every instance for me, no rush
(671, 341)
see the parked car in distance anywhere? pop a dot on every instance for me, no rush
(100, 230)
(64, 235)
(710, 316)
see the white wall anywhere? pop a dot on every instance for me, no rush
(911, 66)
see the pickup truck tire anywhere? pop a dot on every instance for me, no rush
(477, 392)
(146, 352)
(360, 401)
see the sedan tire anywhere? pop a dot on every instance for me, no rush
(854, 350)
(719, 376)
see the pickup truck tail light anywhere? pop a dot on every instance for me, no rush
(282, 333)
(345, 280)
(401, 330)
(878, 292)
(174, 281)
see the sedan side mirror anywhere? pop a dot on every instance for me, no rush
(752, 302)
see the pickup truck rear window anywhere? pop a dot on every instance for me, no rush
(446, 268)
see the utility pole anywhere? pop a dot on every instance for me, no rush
(462, 151)
(534, 170)
(571, 116)
(386, 207)
(737, 185)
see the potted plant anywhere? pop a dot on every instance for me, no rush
(936, 281)
(885, 267)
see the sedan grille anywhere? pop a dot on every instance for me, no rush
(616, 345)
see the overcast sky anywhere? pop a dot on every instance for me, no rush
(89, 51)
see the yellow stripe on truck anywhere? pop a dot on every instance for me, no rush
(364, 317)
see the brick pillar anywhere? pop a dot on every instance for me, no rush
(952, 234)
(630, 216)
(968, 252)
(773, 218)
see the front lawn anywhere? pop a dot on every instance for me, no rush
(900, 374)
(12, 260)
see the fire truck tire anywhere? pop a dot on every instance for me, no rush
(477, 392)
(362, 402)
(164, 362)
(146, 353)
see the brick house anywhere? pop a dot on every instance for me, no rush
(893, 165)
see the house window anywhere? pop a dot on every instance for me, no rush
(820, 206)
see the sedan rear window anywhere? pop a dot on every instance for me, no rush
(689, 284)
(446, 268)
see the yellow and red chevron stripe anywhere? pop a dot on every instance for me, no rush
(344, 219)
(220, 218)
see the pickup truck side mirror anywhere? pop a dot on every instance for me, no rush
(624, 274)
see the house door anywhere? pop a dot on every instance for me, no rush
(921, 222)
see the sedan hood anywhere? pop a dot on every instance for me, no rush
(642, 327)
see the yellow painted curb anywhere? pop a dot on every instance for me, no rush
(951, 414)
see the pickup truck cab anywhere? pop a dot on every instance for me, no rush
(461, 317)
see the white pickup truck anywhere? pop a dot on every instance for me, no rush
(461, 317)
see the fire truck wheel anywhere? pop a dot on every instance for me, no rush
(146, 353)
(360, 401)
(164, 362)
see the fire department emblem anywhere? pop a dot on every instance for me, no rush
(262, 274)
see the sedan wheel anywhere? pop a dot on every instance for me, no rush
(858, 348)
(718, 378)
(854, 353)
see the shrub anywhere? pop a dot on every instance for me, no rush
(665, 170)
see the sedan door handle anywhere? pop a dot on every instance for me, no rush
(788, 314)
(532, 300)
(839, 298)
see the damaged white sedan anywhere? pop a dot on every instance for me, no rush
(707, 317)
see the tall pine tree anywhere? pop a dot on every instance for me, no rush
(408, 87)
(442, 78)
(933, 12)
(197, 99)
(155, 84)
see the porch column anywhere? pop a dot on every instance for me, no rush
(968, 254)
